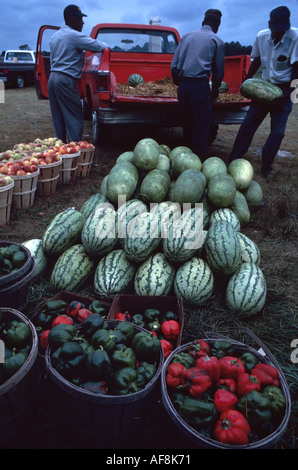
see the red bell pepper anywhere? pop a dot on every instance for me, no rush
(43, 341)
(211, 365)
(62, 319)
(231, 367)
(247, 383)
(170, 329)
(173, 377)
(227, 384)
(267, 374)
(82, 314)
(123, 316)
(224, 400)
(232, 428)
(167, 347)
(198, 348)
(196, 381)
(73, 307)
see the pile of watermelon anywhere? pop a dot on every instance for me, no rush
(163, 222)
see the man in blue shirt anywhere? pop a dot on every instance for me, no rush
(199, 55)
(67, 47)
(276, 50)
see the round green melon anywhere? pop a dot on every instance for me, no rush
(164, 149)
(155, 186)
(213, 166)
(178, 150)
(240, 207)
(146, 154)
(189, 187)
(253, 194)
(122, 181)
(224, 87)
(242, 173)
(170, 195)
(222, 248)
(135, 79)
(221, 190)
(125, 213)
(125, 157)
(194, 282)
(185, 161)
(164, 163)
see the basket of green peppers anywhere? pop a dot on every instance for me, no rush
(104, 358)
(19, 346)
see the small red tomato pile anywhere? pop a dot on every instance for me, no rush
(164, 325)
(18, 168)
(230, 397)
(56, 312)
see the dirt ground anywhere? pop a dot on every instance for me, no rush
(273, 227)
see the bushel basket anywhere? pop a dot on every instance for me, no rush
(203, 441)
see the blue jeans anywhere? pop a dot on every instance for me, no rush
(195, 111)
(257, 112)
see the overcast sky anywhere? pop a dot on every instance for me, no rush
(20, 20)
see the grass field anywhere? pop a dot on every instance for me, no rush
(273, 227)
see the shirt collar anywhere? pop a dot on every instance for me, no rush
(207, 26)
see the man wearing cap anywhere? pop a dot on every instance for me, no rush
(276, 50)
(67, 48)
(199, 55)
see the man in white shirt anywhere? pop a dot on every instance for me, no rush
(276, 50)
(67, 47)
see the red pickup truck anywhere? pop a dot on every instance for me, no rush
(148, 51)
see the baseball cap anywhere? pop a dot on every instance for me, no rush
(280, 19)
(73, 10)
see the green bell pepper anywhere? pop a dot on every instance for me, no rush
(256, 408)
(198, 413)
(13, 363)
(169, 315)
(151, 314)
(127, 329)
(124, 357)
(18, 334)
(125, 381)
(145, 373)
(146, 346)
(98, 365)
(91, 324)
(138, 319)
(97, 307)
(185, 359)
(117, 336)
(103, 338)
(154, 326)
(58, 306)
(69, 359)
(177, 399)
(249, 361)
(60, 334)
(221, 348)
(277, 400)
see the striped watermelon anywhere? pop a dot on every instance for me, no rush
(143, 237)
(63, 232)
(155, 276)
(227, 215)
(167, 211)
(222, 247)
(194, 282)
(72, 269)
(250, 252)
(113, 275)
(126, 213)
(90, 205)
(135, 79)
(36, 250)
(246, 291)
(99, 234)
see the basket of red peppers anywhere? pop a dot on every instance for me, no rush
(225, 394)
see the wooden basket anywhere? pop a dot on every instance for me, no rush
(85, 162)
(24, 190)
(6, 193)
(69, 168)
(48, 178)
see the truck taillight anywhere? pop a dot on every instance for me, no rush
(103, 81)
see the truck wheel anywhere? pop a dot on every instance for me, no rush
(95, 127)
(20, 82)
